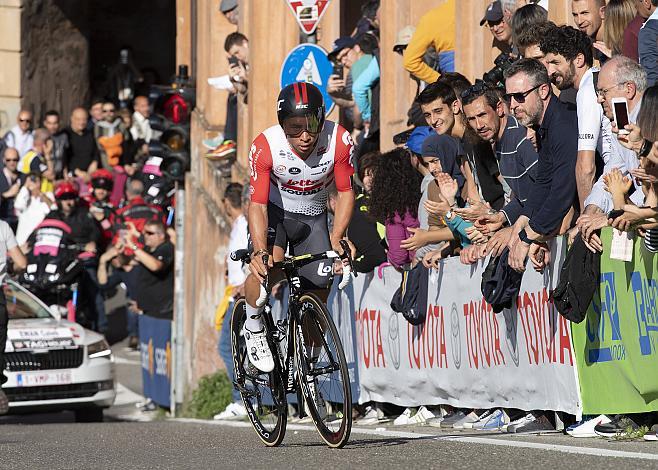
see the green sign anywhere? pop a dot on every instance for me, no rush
(616, 346)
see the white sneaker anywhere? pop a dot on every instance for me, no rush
(421, 416)
(232, 411)
(403, 419)
(371, 416)
(258, 351)
(517, 423)
(587, 428)
(483, 417)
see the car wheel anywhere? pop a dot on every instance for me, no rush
(89, 415)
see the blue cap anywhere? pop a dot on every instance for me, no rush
(343, 42)
(417, 137)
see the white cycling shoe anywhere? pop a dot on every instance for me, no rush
(258, 351)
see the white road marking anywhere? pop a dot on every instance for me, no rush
(123, 360)
(596, 451)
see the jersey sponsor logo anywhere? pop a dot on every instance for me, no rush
(324, 270)
(253, 160)
(585, 136)
(280, 170)
(293, 183)
(318, 173)
(322, 164)
(301, 192)
(294, 170)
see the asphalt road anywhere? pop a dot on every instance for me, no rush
(55, 441)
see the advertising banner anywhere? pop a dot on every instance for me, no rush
(464, 354)
(155, 345)
(616, 344)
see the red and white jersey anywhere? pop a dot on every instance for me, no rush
(281, 177)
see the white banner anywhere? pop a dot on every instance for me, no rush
(464, 354)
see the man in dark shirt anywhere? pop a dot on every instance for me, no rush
(155, 272)
(82, 156)
(534, 104)
(517, 157)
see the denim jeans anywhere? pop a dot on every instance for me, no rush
(225, 350)
(132, 322)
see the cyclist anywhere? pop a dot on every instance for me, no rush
(293, 164)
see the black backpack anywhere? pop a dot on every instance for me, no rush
(411, 297)
(579, 279)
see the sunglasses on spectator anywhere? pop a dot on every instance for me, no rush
(25, 120)
(9, 160)
(477, 89)
(108, 110)
(146, 232)
(493, 24)
(520, 96)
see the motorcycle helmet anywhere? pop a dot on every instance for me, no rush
(66, 190)
(301, 99)
(102, 179)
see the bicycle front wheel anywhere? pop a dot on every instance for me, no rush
(263, 394)
(322, 372)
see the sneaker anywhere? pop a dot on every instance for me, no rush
(232, 411)
(148, 405)
(452, 418)
(539, 424)
(258, 351)
(213, 143)
(651, 436)
(4, 403)
(421, 416)
(371, 416)
(519, 423)
(619, 425)
(497, 420)
(483, 417)
(320, 405)
(227, 148)
(404, 418)
(467, 420)
(585, 428)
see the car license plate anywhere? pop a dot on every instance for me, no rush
(35, 379)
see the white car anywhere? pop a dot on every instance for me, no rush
(54, 364)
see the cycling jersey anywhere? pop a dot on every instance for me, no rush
(279, 176)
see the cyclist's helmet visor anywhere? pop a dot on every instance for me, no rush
(296, 126)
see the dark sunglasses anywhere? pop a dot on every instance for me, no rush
(520, 96)
(9, 160)
(111, 110)
(25, 120)
(149, 233)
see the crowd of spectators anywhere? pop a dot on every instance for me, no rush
(96, 176)
(497, 168)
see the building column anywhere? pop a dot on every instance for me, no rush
(10, 57)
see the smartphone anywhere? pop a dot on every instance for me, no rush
(613, 214)
(338, 70)
(620, 112)
(233, 60)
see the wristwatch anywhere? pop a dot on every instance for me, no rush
(523, 236)
(646, 148)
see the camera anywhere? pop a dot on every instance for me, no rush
(494, 77)
(233, 60)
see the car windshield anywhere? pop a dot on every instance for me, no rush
(21, 304)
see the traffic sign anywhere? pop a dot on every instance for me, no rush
(308, 63)
(308, 13)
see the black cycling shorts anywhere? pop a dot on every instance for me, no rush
(304, 234)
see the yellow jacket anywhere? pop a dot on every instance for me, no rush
(436, 28)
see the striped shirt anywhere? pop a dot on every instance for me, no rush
(517, 161)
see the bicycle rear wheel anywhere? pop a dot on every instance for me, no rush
(322, 372)
(263, 394)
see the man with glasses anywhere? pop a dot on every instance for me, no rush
(293, 164)
(569, 62)
(10, 184)
(20, 136)
(498, 21)
(108, 133)
(155, 271)
(533, 103)
(59, 139)
(517, 158)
